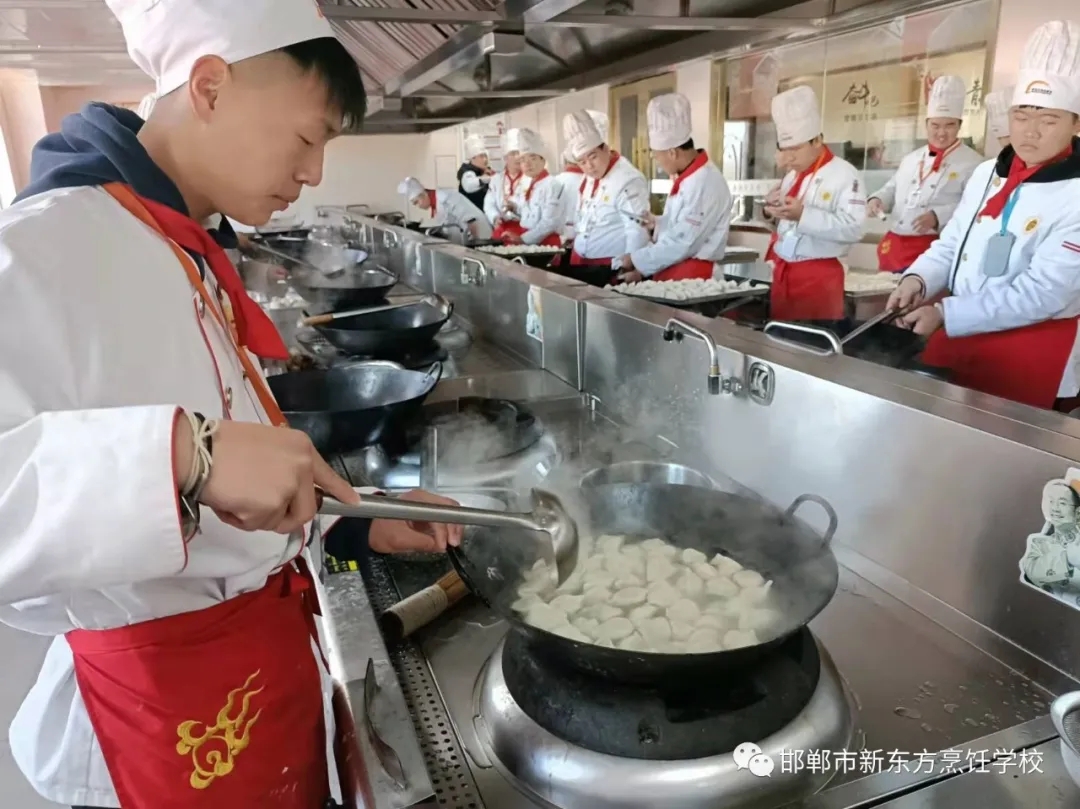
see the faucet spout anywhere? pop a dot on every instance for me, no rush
(676, 327)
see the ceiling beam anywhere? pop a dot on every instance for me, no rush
(538, 11)
(420, 16)
(640, 22)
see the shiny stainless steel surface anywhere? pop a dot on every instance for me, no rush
(647, 472)
(573, 778)
(836, 346)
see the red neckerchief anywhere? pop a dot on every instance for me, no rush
(536, 180)
(1019, 172)
(939, 158)
(434, 202)
(254, 328)
(573, 168)
(825, 156)
(699, 161)
(513, 181)
(596, 183)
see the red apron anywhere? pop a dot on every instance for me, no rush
(770, 253)
(504, 229)
(576, 260)
(1024, 365)
(897, 253)
(691, 268)
(220, 707)
(807, 290)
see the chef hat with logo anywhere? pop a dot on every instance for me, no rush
(166, 37)
(411, 188)
(997, 106)
(474, 145)
(146, 106)
(581, 134)
(601, 121)
(797, 115)
(947, 97)
(669, 121)
(526, 141)
(1049, 74)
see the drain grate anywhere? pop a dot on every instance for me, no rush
(445, 760)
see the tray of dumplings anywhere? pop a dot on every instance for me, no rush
(693, 291)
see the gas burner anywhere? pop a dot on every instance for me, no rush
(571, 776)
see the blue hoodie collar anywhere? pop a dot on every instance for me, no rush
(100, 145)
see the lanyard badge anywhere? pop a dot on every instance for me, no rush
(999, 246)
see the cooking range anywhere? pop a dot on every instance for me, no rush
(505, 726)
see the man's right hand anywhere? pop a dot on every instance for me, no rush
(909, 293)
(263, 478)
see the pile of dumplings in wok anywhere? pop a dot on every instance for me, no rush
(650, 596)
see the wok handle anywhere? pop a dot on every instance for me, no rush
(821, 501)
(388, 508)
(835, 346)
(317, 320)
(435, 370)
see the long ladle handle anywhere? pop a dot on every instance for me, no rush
(389, 508)
(330, 317)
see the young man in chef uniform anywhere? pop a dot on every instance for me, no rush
(571, 176)
(475, 174)
(1011, 254)
(445, 207)
(185, 670)
(540, 208)
(503, 188)
(691, 236)
(924, 192)
(997, 119)
(821, 214)
(613, 197)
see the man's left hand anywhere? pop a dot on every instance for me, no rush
(396, 536)
(511, 238)
(631, 277)
(924, 321)
(790, 209)
(925, 223)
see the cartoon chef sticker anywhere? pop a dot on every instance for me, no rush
(1051, 560)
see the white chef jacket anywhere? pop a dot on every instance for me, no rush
(602, 228)
(541, 209)
(454, 208)
(834, 212)
(908, 197)
(1042, 281)
(89, 536)
(694, 225)
(571, 185)
(498, 193)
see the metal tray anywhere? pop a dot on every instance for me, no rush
(753, 292)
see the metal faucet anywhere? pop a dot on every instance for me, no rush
(675, 329)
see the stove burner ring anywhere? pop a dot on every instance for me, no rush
(690, 719)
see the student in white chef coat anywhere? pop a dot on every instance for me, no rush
(503, 188)
(926, 188)
(571, 176)
(821, 214)
(692, 234)
(613, 198)
(540, 208)
(475, 174)
(445, 206)
(997, 106)
(1010, 257)
(155, 513)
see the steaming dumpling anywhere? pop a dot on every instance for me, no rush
(592, 563)
(638, 614)
(620, 567)
(748, 578)
(655, 631)
(758, 620)
(574, 583)
(598, 578)
(684, 610)
(725, 565)
(609, 544)
(629, 597)
(586, 626)
(737, 639)
(655, 546)
(569, 631)
(596, 595)
(602, 612)
(680, 630)
(692, 556)
(615, 629)
(663, 594)
(658, 568)
(709, 620)
(525, 603)
(721, 587)
(753, 596)
(568, 603)
(544, 616)
(703, 570)
(634, 551)
(633, 643)
(628, 581)
(690, 585)
(703, 641)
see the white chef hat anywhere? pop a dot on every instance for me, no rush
(601, 121)
(525, 140)
(797, 115)
(411, 188)
(1049, 74)
(506, 147)
(669, 121)
(146, 106)
(947, 96)
(166, 37)
(997, 106)
(474, 145)
(581, 133)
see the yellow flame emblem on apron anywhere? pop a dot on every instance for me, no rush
(213, 748)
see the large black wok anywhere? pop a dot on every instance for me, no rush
(352, 406)
(391, 333)
(354, 288)
(759, 536)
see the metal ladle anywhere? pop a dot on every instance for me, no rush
(548, 518)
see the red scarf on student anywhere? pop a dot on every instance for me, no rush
(825, 156)
(1019, 172)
